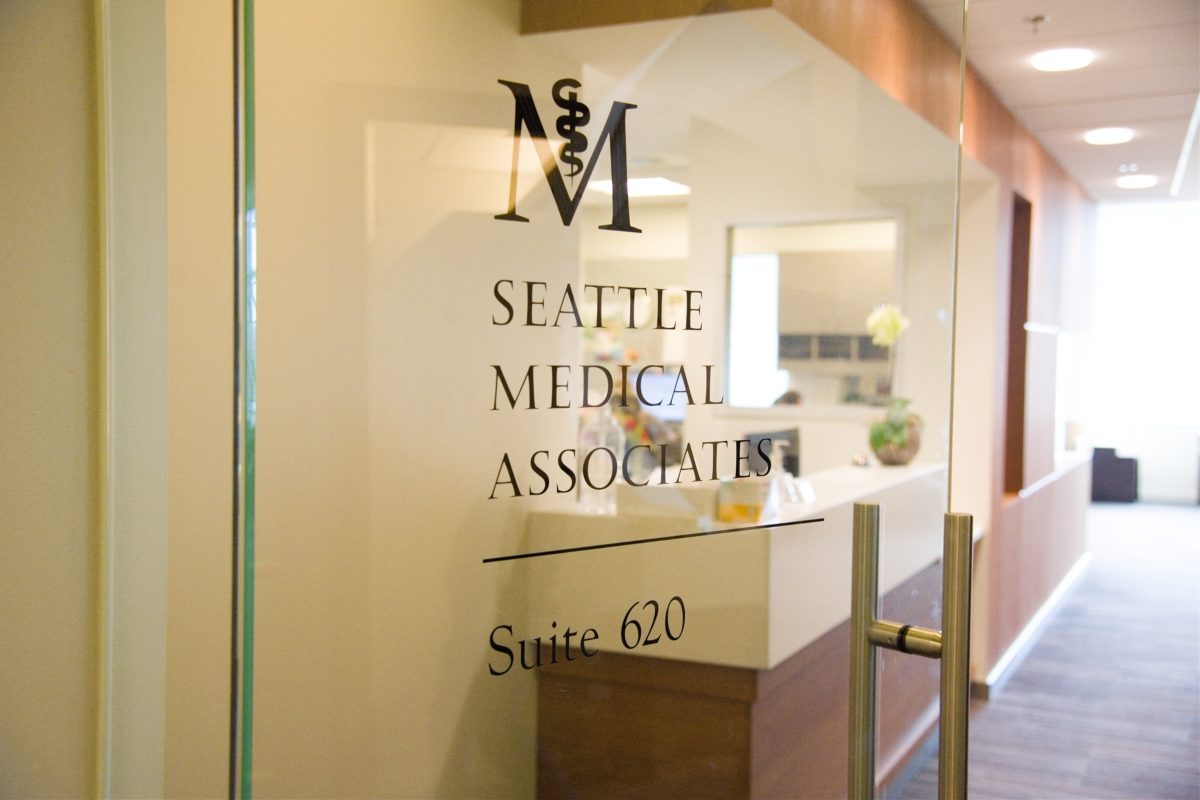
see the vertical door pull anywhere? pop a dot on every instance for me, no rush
(950, 645)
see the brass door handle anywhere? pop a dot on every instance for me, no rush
(951, 645)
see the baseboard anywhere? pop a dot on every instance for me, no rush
(1007, 664)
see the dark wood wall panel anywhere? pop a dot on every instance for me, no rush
(893, 44)
(541, 16)
(1017, 341)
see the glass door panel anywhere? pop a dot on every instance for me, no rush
(571, 348)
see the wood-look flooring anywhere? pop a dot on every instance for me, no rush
(1107, 704)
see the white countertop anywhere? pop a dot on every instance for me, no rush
(753, 598)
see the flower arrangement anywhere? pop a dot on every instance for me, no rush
(885, 324)
(896, 437)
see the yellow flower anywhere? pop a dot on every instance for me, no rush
(885, 324)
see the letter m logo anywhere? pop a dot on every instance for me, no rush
(526, 117)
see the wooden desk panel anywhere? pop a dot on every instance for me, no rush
(623, 726)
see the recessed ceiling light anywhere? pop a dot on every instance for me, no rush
(1127, 168)
(1062, 59)
(1137, 181)
(1108, 136)
(647, 187)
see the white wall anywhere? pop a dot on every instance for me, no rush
(977, 368)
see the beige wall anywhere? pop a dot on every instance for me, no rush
(84, 608)
(199, 136)
(48, 414)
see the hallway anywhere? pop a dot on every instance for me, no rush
(1107, 703)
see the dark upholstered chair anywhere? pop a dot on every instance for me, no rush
(1114, 479)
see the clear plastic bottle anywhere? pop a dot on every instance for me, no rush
(783, 485)
(792, 490)
(600, 455)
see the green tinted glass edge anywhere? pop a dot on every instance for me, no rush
(246, 293)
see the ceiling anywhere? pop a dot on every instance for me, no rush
(1146, 76)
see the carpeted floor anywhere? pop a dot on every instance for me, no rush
(1107, 704)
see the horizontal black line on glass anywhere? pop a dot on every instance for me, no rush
(631, 542)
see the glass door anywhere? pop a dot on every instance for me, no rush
(574, 338)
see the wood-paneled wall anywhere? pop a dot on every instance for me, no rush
(1037, 537)
(894, 44)
(541, 16)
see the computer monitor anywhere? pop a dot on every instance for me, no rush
(791, 452)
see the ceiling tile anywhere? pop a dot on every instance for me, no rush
(1108, 112)
(1146, 76)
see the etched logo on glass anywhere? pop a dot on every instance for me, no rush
(576, 115)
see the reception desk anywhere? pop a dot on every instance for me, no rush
(750, 699)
